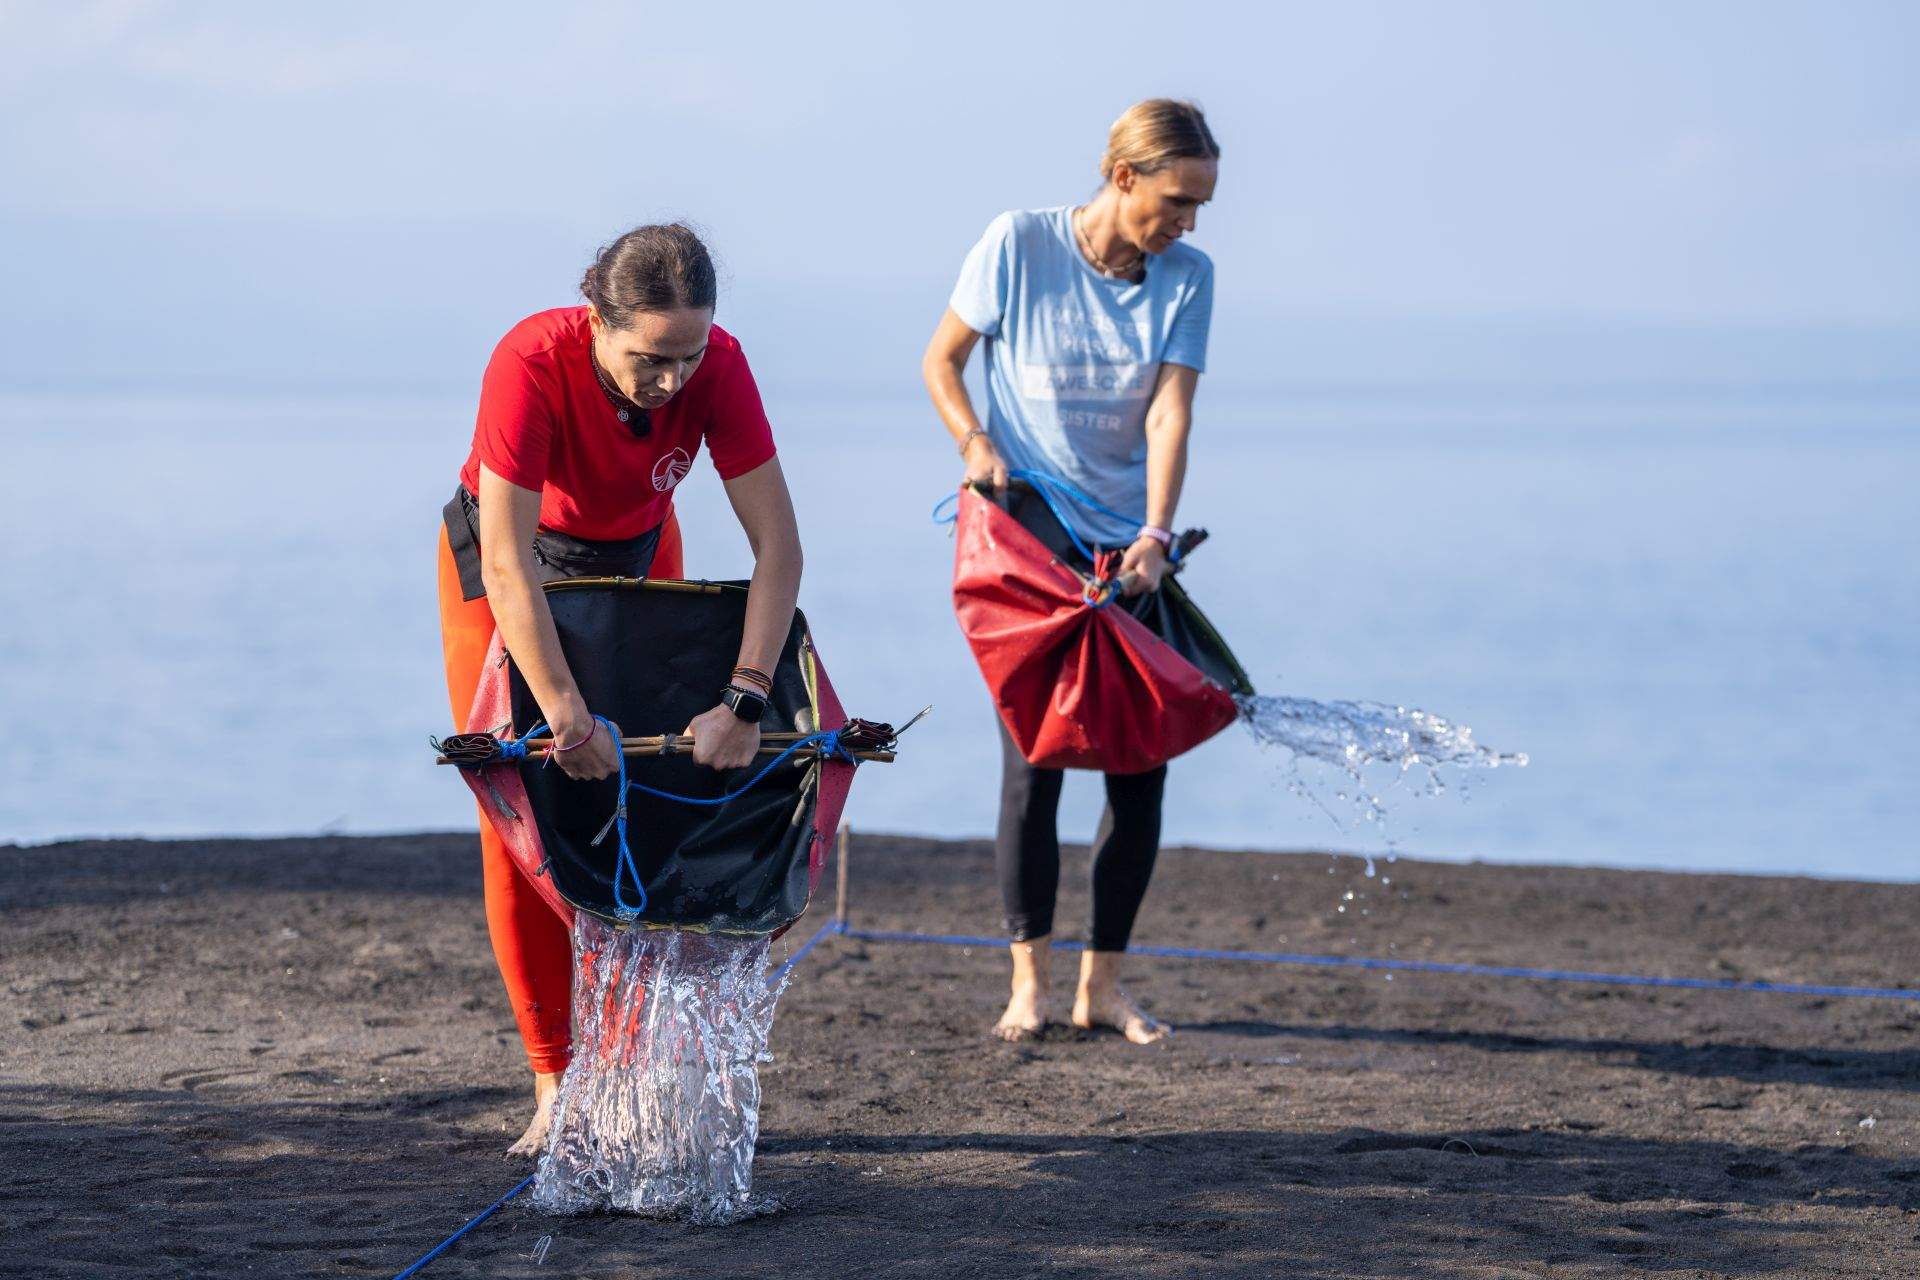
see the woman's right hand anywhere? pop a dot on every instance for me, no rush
(984, 463)
(598, 757)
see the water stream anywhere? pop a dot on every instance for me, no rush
(659, 1110)
(1368, 741)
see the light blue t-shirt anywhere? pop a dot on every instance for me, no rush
(1073, 356)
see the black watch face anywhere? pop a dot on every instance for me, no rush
(750, 707)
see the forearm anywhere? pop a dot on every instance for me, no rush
(947, 384)
(526, 629)
(1167, 433)
(771, 597)
(944, 368)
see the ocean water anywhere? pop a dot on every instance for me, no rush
(1697, 613)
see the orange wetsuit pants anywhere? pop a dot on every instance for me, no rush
(529, 941)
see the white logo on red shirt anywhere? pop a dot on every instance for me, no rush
(671, 470)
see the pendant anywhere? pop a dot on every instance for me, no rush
(621, 414)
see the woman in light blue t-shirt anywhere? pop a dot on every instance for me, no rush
(1095, 318)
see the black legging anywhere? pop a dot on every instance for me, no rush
(1027, 849)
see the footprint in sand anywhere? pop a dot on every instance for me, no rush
(196, 1081)
(309, 1077)
(385, 1058)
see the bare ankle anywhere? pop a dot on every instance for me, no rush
(1031, 963)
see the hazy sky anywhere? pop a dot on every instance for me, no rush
(369, 194)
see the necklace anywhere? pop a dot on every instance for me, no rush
(1099, 263)
(637, 418)
(618, 401)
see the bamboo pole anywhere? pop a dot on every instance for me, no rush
(840, 879)
(801, 758)
(670, 742)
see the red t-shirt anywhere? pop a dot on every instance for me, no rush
(546, 425)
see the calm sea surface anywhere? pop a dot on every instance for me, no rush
(1698, 614)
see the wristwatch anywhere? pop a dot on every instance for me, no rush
(749, 706)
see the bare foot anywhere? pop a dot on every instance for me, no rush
(1115, 1008)
(546, 1086)
(1100, 1001)
(1026, 1014)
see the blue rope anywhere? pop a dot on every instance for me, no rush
(1048, 487)
(624, 865)
(1424, 966)
(479, 1218)
(624, 868)
(827, 741)
(820, 935)
(516, 748)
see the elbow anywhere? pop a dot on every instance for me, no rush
(499, 573)
(779, 553)
(1170, 425)
(939, 368)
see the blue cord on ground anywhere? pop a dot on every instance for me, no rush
(1422, 966)
(473, 1222)
(833, 927)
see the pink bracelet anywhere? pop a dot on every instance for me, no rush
(1162, 536)
(556, 749)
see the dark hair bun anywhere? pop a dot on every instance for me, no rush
(664, 267)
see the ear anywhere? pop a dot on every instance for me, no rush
(1123, 177)
(594, 321)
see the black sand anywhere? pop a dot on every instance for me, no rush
(293, 1058)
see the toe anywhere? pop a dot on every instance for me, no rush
(1146, 1031)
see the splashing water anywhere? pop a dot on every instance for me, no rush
(1352, 736)
(659, 1109)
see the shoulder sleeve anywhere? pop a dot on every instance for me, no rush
(980, 295)
(738, 434)
(514, 433)
(1187, 341)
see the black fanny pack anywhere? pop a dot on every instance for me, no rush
(555, 554)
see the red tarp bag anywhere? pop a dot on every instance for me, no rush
(1080, 684)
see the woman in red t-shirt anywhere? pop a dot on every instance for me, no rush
(589, 416)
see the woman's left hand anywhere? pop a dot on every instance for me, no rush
(722, 740)
(1146, 559)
